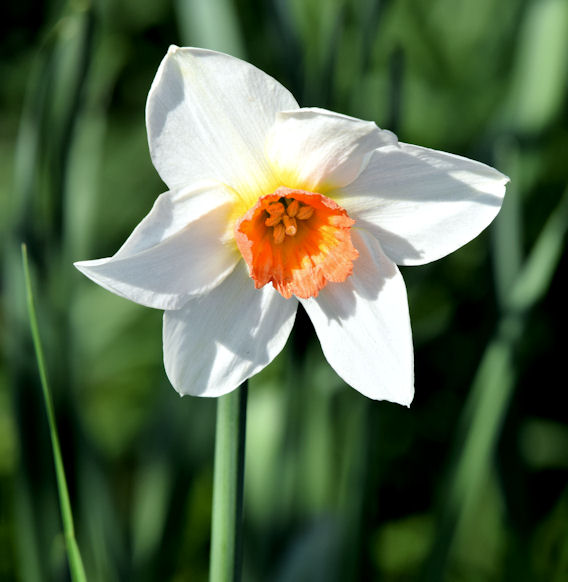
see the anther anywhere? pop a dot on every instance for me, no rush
(275, 209)
(305, 212)
(279, 233)
(293, 208)
(273, 220)
(290, 224)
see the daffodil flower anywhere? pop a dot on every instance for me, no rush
(270, 204)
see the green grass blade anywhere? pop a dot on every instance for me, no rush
(74, 556)
(540, 266)
(507, 230)
(213, 25)
(491, 392)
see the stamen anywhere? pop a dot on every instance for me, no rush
(275, 209)
(279, 233)
(293, 208)
(305, 212)
(273, 220)
(290, 224)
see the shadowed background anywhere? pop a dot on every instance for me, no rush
(467, 484)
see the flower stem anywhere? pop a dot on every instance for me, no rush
(75, 562)
(226, 521)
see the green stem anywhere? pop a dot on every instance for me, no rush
(226, 521)
(73, 554)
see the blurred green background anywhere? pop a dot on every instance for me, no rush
(469, 484)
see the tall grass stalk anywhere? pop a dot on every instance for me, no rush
(73, 554)
(492, 389)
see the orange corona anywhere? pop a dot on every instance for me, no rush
(297, 240)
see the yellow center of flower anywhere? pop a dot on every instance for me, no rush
(297, 240)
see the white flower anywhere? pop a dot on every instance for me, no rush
(270, 204)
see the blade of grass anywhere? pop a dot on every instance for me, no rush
(74, 556)
(212, 25)
(507, 235)
(491, 392)
(540, 266)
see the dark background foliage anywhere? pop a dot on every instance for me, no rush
(467, 484)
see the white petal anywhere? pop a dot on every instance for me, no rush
(219, 340)
(207, 117)
(423, 204)
(364, 327)
(178, 250)
(316, 150)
